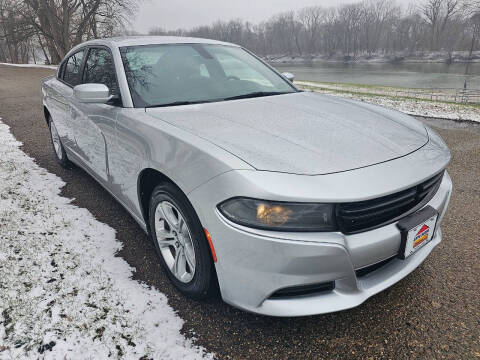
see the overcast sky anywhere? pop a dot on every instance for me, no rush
(174, 14)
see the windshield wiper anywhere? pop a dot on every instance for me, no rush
(257, 94)
(244, 96)
(178, 103)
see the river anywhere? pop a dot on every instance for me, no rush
(409, 75)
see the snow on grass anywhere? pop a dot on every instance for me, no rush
(63, 293)
(32, 65)
(409, 106)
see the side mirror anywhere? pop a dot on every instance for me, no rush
(92, 93)
(289, 76)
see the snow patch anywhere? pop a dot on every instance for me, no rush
(63, 293)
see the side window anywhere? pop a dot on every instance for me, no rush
(100, 69)
(72, 74)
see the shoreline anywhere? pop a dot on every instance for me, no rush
(458, 112)
(294, 61)
(459, 57)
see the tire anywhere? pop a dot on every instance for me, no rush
(168, 205)
(57, 145)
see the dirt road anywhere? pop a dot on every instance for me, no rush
(433, 313)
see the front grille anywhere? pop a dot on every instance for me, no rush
(366, 215)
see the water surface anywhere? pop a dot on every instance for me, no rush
(412, 75)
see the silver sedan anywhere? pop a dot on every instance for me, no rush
(291, 203)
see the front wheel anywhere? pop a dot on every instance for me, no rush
(58, 148)
(180, 241)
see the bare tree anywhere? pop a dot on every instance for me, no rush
(377, 18)
(438, 14)
(15, 32)
(55, 26)
(311, 18)
(350, 17)
(472, 10)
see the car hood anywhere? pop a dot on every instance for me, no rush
(301, 133)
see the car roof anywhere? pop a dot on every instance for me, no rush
(150, 40)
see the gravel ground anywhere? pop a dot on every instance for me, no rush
(433, 313)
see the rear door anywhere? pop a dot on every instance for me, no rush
(95, 123)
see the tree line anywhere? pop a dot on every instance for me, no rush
(50, 28)
(53, 27)
(367, 28)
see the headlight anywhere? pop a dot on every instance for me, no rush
(280, 216)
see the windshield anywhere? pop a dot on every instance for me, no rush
(179, 74)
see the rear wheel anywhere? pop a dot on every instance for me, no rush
(180, 241)
(58, 148)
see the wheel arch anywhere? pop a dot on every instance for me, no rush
(147, 180)
(46, 114)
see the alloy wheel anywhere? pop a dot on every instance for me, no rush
(56, 140)
(175, 241)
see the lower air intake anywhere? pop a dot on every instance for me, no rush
(303, 290)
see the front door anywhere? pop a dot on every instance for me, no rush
(69, 76)
(95, 123)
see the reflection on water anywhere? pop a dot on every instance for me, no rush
(413, 75)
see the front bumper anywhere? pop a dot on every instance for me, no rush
(254, 264)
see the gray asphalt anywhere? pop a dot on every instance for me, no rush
(433, 313)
